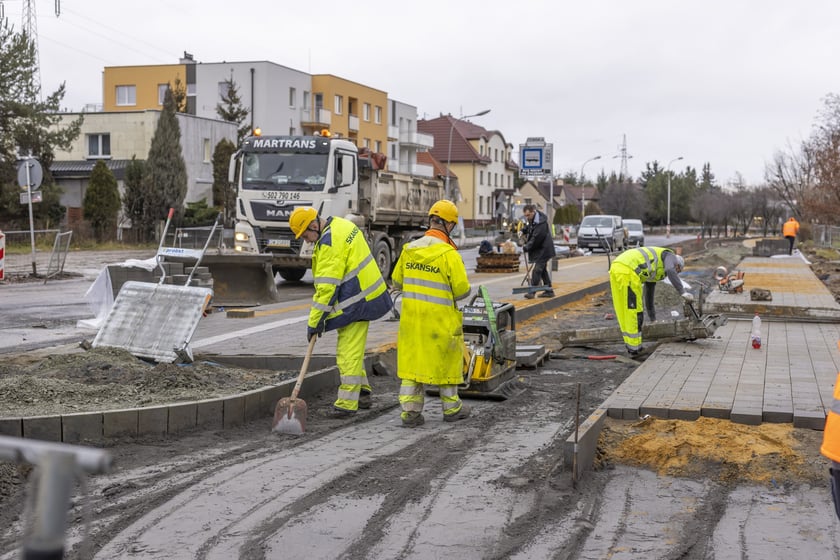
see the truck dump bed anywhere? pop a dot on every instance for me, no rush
(395, 199)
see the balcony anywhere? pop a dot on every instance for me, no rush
(315, 117)
(393, 133)
(353, 123)
(417, 140)
(418, 169)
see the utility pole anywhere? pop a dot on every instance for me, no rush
(623, 174)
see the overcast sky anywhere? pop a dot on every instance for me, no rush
(725, 82)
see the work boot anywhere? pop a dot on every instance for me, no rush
(547, 294)
(463, 412)
(529, 295)
(413, 419)
(336, 412)
(365, 400)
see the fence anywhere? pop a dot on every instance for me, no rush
(19, 259)
(826, 236)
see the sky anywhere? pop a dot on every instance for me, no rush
(724, 82)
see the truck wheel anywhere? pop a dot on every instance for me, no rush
(290, 274)
(382, 255)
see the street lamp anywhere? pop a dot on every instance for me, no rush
(583, 187)
(668, 223)
(449, 149)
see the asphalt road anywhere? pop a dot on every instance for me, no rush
(492, 486)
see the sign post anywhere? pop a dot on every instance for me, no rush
(30, 175)
(536, 162)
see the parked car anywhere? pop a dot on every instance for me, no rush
(635, 233)
(601, 231)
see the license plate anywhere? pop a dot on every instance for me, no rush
(284, 243)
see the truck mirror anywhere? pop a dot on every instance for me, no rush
(232, 166)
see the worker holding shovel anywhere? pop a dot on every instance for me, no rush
(629, 271)
(430, 342)
(349, 292)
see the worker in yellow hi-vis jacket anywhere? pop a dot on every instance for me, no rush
(349, 292)
(432, 277)
(628, 273)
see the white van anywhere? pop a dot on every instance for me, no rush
(635, 233)
(601, 231)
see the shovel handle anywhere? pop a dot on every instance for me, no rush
(303, 369)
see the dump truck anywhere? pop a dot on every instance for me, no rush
(276, 174)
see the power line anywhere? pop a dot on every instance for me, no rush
(119, 32)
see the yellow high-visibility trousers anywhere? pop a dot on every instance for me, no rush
(628, 302)
(350, 359)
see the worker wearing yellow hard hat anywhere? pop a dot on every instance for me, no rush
(432, 277)
(349, 292)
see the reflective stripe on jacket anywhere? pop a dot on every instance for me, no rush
(646, 262)
(831, 436)
(432, 277)
(348, 284)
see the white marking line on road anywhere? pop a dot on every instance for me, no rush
(245, 332)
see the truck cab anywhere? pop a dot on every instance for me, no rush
(276, 174)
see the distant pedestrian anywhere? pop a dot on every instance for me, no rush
(349, 292)
(430, 342)
(831, 445)
(539, 246)
(790, 229)
(632, 269)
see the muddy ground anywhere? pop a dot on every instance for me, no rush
(155, 469)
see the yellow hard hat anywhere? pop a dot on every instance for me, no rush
(300, 219)
(445, 210)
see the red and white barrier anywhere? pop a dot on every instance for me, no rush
(566, 234)
(2, 252)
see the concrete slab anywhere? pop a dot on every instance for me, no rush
(47, 428)
(116, 423)
(11, 427)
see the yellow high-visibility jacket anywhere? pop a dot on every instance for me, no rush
(432, 277)
(348, 284)
(831, 435)
(646, 262)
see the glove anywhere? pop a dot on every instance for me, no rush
(310, 332)
(688, 296)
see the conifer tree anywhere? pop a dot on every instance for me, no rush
(165, 178)
(232, 110)
(102, 201)
(224, 194)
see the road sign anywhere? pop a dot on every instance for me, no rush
(35, 175)
(36, 197)
(535, 158)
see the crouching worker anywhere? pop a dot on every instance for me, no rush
(432, 277)
(349, 292)
(629, 272)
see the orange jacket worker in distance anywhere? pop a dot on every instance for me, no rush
(789, 230)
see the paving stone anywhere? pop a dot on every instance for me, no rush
(11, 427)
(46, 428)
(153, 420)
(181, 416)
(116, 423)
(84, 426)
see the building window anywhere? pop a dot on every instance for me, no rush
(377, 114)
(481, 149)
(378, 146)
(367, 143)
(223, 90)
(292, 131)
(126, 95)
(508, 181)
(481, 205)
(207, 151)
(495, 179)
(162, 93)
(481, 177)
(339, 104)
(99, 145)
(306, 100)
(292, 95)
(497, 154)
(393, 151)
(366, 112)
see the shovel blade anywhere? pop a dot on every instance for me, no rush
(289, 417)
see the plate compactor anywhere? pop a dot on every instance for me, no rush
(490, 352)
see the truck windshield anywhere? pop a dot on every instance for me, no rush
(596, 221)
(284, 172)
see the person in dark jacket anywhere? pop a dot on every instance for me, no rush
(540, 249)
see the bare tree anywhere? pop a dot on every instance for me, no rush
(791, 174)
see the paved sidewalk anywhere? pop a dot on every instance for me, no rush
(789, 379)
